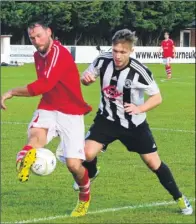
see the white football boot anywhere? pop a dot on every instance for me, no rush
(184, 205)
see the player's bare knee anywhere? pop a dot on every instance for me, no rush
(152, 160)
(89, 155)
(153, 164)
(37, 137)
(92, 149)
(74, 166)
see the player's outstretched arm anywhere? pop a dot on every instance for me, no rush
(18, 91)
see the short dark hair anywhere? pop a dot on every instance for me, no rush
(166, 32)
(124, 35)
(38, 23)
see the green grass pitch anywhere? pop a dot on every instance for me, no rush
(125, 191)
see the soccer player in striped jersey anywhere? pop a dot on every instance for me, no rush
(168, 49)
(122, 111)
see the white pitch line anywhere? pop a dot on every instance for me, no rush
(177, 82)
(189, 83)
(158, 129)
(173, 130)
(13, 122)
(165, 80)
(153, 204)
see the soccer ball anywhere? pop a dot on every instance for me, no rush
(45, 162)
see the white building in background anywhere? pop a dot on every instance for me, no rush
(5, 48)
(86, 54)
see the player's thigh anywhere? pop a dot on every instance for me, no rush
(164, 61)
(167, 61)
(139, 139)
(42, 127)
(99, 136)
(152, 160)
(71, 132)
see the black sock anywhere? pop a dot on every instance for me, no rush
(91, 167)
(167, 180)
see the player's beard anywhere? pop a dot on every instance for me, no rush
(46, 47)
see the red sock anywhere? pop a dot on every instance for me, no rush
(168, 70)
(84, 185)
(23, 152)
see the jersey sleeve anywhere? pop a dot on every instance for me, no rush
(144, 80)
(152, 89)
(56, 67)
(172, 43)
(94, 68)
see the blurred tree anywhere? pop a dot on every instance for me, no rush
(151, 19)
(94, 22)
(84, 18)
(15, 16)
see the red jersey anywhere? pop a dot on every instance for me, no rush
(58, 82)
(167, 46)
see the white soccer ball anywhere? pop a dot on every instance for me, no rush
(45, 162)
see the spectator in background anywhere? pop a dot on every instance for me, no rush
(168, 49)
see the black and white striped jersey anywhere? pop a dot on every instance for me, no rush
(119, 86)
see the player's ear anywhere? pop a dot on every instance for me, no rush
(49, 32)
(131, 48)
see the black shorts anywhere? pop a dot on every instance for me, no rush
(138, 139)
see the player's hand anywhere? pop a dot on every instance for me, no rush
(88, 78)
(6, 96)
(131, 109)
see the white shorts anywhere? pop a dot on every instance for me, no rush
(167, 60)
(70, 129)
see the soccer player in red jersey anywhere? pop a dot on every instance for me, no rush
(59, 113)
(168, 49)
